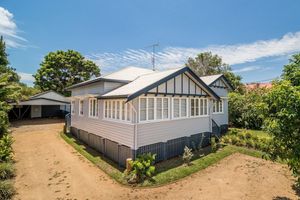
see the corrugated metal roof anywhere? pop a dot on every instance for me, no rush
(140, 83)
(124, 75)
(129, 73)
(210, 79)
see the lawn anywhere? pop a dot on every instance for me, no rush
(167, 171)
(258, 133)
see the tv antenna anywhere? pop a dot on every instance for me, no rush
(153, 54)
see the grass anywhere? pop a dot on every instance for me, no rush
(7, 190)
(258, 133)
(166, 171)
(7, 171)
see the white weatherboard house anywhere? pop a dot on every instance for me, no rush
(137, 110)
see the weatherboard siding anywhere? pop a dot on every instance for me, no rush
(122, 133)
(154, 132)
(222, 118)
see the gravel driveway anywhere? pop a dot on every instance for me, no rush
(48, 168)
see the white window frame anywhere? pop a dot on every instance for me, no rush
(199, 107)
(180, 114)
(221, 105)
(91, 104)
(73, 107)
(80, 106)
(155, 109)
(112, 111)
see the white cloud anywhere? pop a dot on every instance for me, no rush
(247, 69)
(26, 77)
(171, 57)
(9, 30)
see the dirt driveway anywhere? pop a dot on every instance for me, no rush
(48, 168)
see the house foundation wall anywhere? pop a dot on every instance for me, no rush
(163, 150)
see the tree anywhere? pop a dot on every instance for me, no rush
(283, 122)
(247, 110)
(62, 69)
(8, 92)
(291, 71)
(4, 63)
(208, 64)
(27, 91)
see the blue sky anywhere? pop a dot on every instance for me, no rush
(255, 37)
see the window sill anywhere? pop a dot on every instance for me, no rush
(118, 121)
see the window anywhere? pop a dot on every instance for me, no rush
(165, 108)
(159, 108)
(176, 108)
(143, 109)
(81, 108)
(217, 106)
(154, 108)
(93, 107)
(117, 110)
(198, 107)
(179, 107)
(150, 109)
(72, 107)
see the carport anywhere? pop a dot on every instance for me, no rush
(43, 105)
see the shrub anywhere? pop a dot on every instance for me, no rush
(6, 190)
(5, 147)
(250, 143)
(187, 155)
(142, 168)
(214, 145)
(7, 171)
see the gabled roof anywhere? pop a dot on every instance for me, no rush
(210, 80)
(124, 75)
(148, 81)
(128, 73)
(45, 98)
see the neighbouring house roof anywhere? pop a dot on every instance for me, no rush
(210, 80)
(45, 98)
(251, 86)
(125, 75)
(149, 81)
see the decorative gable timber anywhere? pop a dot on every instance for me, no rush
(180, 85)
(162, 86)
(221, 82)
